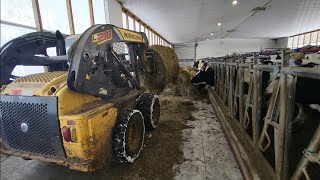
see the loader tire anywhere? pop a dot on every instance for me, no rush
(149, 106)
(128, 136)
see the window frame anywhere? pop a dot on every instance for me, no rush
(304, 39)
(153, 36)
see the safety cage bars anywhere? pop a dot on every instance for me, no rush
(239, 85)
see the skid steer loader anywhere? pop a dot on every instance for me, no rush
(88, 108)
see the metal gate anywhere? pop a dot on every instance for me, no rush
(254, 134)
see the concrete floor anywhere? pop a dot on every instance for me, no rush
(206, 151)
(205, 148)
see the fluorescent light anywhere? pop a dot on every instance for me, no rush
(207, 39)
(234, 2)
(212, 34)
(219, 23)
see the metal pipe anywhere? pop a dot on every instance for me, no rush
(312, 73)
(236, 93)
(125, 71)
(241, 94)
(282, 121)
(229, 93)
(247, 118)
(244, 65)
(226, 85)
(269, 118)
(288, 126)
(277, 49)
(223, 88)
(251, 162)
(256, 110)
(313, 147)
(279, 150)
(264, 67)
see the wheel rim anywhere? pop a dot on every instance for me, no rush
(134, 135)
(156, 112)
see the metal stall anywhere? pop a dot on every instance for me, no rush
(259, 127)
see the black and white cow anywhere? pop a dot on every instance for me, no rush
(307, 94)
(204, 75)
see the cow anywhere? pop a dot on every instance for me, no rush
(204, 76)
(307, 94)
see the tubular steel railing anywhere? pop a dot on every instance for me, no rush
(231, 72)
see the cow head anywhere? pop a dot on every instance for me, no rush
(203, 77)
(201, 66)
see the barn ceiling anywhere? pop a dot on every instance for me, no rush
(181, 21)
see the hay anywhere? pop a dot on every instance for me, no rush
(190, 70)
(165, 75)
(183, 87)
(164, 67)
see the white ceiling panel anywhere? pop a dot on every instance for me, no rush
(183, 21)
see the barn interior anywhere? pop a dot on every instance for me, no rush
(170, 89)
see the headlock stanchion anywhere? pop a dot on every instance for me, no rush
(259, 126)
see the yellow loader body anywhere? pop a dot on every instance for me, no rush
(91, 119)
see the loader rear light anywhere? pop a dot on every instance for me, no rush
(69, 134)
(66, 134)
(73, 134)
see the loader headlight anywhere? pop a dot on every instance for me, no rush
(69, 134)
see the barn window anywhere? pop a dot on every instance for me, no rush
(98, 11)
(131, 24)
(18, 11)
(10, 32)
(137, 25)
(54, 15)
(309, 38)
(81, 16)
(124, 21)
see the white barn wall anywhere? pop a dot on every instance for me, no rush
(221, 47)
(282, 42)
(184, 52)
(113, 12)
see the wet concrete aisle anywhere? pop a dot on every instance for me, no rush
(207, 154)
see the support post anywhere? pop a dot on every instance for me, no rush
(36, 14)
(241, 94)
(282, 120)
(91, 12)
(256, 110)
(313, 147)
(70, 16)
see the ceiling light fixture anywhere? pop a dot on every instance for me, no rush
(260, 8)
(207, 39)
(212, 34)
(234, 2)
(219, 23)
